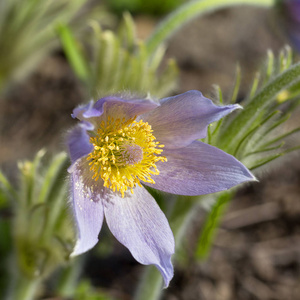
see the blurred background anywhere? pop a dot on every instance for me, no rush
(256, 254)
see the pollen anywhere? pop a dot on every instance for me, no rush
(125, 153)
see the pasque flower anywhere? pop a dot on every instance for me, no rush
(122, 145)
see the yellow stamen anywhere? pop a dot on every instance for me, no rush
(125, 152)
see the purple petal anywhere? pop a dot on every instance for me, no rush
(199, 169)
(129, 107)
(182, 119)
(115, 107)
(139, 224)
(87, 208)
(294, 37)
(82, 109)
(78, 141)
(293, 8)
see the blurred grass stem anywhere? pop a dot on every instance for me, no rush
(25, 288)
(179, 213)
(68, 280)
(191, 10)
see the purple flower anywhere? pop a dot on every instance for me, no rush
(290, 14)
(122, 145)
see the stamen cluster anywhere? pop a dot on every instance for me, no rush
(125, 152)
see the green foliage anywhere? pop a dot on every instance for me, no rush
(85, 291)
(36, 229)
(190, 10)
(211, 224)
(118, 62)
(5, 247)
(27, 33)
(154, 7)
(42, 230)
(7, 192)
(257, 134)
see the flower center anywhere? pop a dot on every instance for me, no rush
(125, 152)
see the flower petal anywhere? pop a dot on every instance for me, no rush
(78, 141)
(87, 209)
(114, 107)
(139, 224)
(293, 10)
(182, 119)
(199, 169)
(83, 109)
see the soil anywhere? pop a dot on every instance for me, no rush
(256, 255)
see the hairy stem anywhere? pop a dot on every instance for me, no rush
(191, 10)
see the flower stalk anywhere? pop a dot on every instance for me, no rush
(23, 287)
(191, 10)
(69, 278)
(150, 286)
(180, 212)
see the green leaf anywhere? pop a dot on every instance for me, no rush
(121, 62)
(107, 62)
(248, 139)
(127, 32)
(73, 52)
(157, 58)
(29, 180)
(292, 149)
(85, 291)
(264, 161)
(281, 137)
(30, 24)
(270, 67)
(285, 58)
(211, 225)
(167, 81)
(232, 134)
(219, 93)
(261, 150)
(237, 84)
(53, 178)
(254, 85)
(7, 189)
(276, 124)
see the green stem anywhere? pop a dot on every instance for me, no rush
(191, 10)
(69, 278)
(151, 284)
(25, 288)
(211, 224)
(73, 53)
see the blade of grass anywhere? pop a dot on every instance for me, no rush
(211, 225)
(73, 53)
